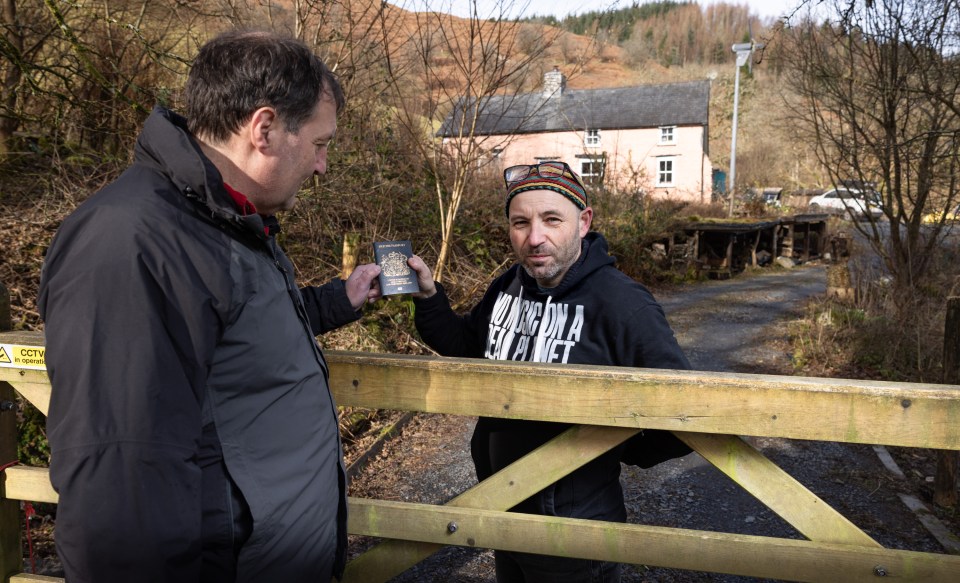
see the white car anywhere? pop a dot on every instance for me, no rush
(855, 203)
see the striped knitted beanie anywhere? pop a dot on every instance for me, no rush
(567, 186)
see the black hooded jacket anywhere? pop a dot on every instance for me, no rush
(177, 343)
(597, 315)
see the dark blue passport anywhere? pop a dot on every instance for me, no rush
(396, 277)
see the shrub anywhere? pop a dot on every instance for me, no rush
(837, 338)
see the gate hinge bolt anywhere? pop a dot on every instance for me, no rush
(452, 527)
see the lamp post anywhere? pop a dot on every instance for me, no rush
(744, 53)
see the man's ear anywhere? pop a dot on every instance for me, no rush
(262, 124)
(586, 218)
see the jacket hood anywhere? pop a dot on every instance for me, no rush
(594, 255)
(168, 146)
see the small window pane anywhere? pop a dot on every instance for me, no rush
(592, 171)
(665, 172)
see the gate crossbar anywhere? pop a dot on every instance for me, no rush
(842, 410)
(755, 556)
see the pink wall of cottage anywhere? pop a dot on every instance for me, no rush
(633, 158)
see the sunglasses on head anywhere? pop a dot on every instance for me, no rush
(552, 169)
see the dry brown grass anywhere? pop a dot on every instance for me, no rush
(35, 195)
(883, 332)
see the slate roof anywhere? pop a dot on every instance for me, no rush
(644, 106)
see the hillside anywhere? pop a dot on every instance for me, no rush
(682, 42)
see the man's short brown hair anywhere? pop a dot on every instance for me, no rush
(239, 72)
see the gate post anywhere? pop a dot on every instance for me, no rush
(11, 554)
(350, 255)
(945, 482)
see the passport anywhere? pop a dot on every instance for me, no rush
(396, 277)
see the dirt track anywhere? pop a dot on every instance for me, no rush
(725, 326)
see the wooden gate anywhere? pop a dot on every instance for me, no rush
(607, 405)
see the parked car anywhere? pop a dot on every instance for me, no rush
(770, 196)
(937, 216)
(850, 201)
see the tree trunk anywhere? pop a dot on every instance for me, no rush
(8, 96)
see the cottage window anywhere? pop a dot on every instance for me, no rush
(667, 135)
(591, 170)
(665, 170)
(592, 138)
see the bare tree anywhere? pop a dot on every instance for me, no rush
(879, 99)
(12, 43)
(457, 64)
(88, 73)
(97, 69)
(25, 33)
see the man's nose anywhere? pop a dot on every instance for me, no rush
(320, 165)
(537, 234)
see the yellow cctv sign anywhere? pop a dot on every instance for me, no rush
(14, 356)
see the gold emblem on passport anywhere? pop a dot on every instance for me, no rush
(395, 265)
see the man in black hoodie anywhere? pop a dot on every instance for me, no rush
(563, 302)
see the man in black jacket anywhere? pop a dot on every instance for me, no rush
(563, 302)
(193, 434)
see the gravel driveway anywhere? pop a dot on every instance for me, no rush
(723, 326)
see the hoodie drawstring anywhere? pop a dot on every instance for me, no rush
(540, 330)
(516, 313)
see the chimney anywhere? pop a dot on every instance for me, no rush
(553, 83)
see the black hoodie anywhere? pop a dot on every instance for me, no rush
(597, 315)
